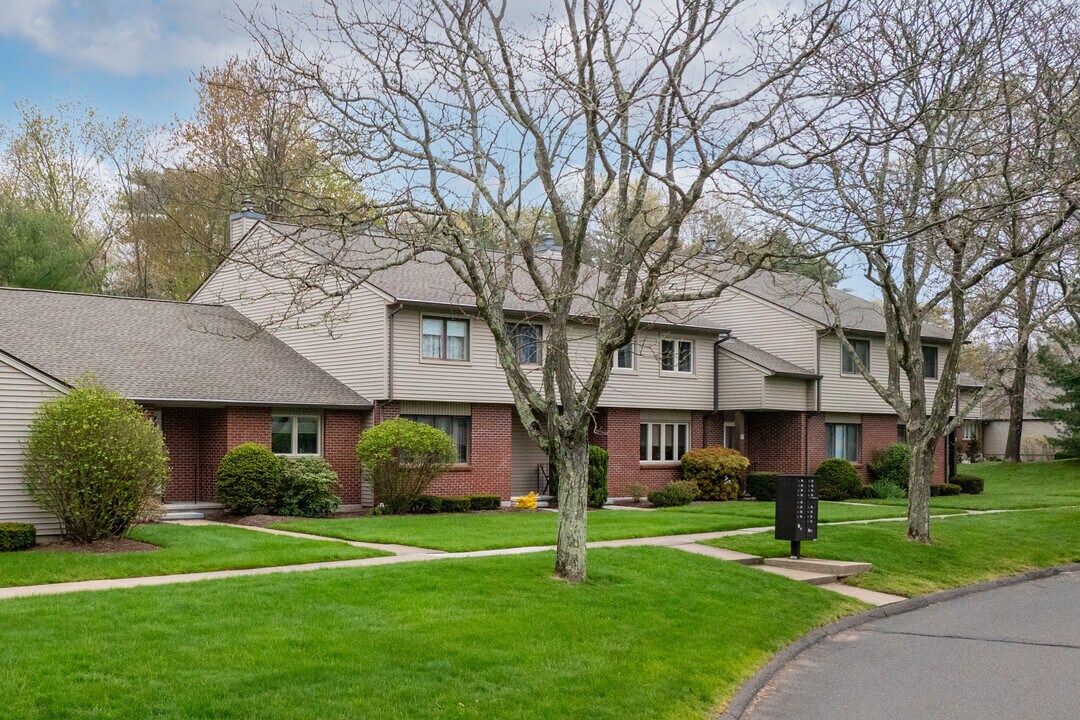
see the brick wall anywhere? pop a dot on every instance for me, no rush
(618, 430)
(181, 430)
(341, 429)
(776, 441)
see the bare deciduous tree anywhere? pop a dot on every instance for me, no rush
(467, 123)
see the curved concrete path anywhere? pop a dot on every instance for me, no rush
(1011, 652)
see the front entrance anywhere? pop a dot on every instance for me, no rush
(527, 461)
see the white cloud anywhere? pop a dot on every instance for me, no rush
(128, 37)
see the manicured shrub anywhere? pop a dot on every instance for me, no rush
(456, 505)
(891, 464)
(837, 479)
(679, 492)
(308, 488)
(886, 489)
(402, 458)
(715, 472)
(944, 489)
(762, 485)
(17, 536)
(426, 505)
(92, 459)
(526, 502)
(637, 491)
(485, 502)
(249, 477)
(969, 484)
(598, 467)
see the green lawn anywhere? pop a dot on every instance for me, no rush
(965, 550)
(183, 549)
(1015, 485)
(653, 633)
(486, 531)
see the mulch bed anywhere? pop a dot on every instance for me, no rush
(101, 547)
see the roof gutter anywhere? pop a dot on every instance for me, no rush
(725, 335)
(217, 402)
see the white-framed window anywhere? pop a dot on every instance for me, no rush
(623, 358)
(729, 434)
(456, 426)
(929, 359)
(971, 430)
(528, 343)
(664, 442)
(296, 434)
(843, 440)
(847, 360)
(444, 338)
(677, 356)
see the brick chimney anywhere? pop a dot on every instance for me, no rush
(241, 222)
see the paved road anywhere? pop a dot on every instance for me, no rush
(1013, 653)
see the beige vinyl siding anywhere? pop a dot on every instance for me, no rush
(763, 325)
(995, 435)
(525, 456)
(21, 393)
(784, 393)
(852, 393)
(741, 386)
(965, 397)
(346, 338)
(481, 378)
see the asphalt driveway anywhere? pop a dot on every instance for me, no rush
(1012, 652)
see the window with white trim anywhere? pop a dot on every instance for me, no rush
(444, 338)
(296, 434)
(847, 360)
(664, 442)
(527, 340)
(456, 426)
(971, 430)
(623, 358)
(677, 356)
(930, 361)
(843, 440)
(729, 434)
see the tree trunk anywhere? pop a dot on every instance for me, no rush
(1016, 403)
(922, 468)
(571, 460)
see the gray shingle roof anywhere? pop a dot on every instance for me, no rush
(159, 350)
(765, 360)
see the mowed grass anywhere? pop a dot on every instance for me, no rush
(490, 530)
(1015, 485)
(183, 549)
(653, 633)
(966, 550)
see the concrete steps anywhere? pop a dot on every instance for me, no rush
(719, 553)
(183, 515)
(812, 578)
(839, 568)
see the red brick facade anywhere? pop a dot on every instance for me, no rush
(197, 439)
(618, 430)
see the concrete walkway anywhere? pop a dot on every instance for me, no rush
(1010, 652)
(399, 554)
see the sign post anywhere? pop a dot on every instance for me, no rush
(796, 510)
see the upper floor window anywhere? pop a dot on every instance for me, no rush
(929, 360)
(842, 440)
(456, 426)
(677, 355)
(623, 358)
(445, 339)
(971, 430)
(294, 434)
(847, 360)
(664, 442)
(527, 343)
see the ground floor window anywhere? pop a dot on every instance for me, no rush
(664, 442)
(456, 426)
(971, 430)
(295, 434)
(842, 440)
(729, 434)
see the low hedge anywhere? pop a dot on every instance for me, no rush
(762, 485)
(426, 505)
(679, 492)
(969, 484)
(945, 489)
(484, 502)
(456, 505)
(715, 472)
(17, 536)
(837, 479)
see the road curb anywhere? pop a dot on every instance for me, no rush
(750, 689)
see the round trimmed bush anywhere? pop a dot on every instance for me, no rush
(249, 477)
(17, 536)
(969, 484)
(891, 464)
(715, 472)
(426, 505)
(677, 493)
(307, 488)
(944, 489)
(837, 479)
(402, 458)
(92, 459)
(456, 505)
